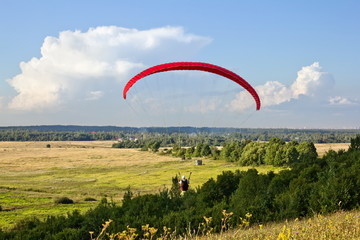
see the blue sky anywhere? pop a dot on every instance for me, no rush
(66, 62)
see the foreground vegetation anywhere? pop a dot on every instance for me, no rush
(314, 185)
(336, 226)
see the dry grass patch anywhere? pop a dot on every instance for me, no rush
(23, 156)
(322, 148)
(337, 226)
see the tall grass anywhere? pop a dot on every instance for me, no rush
(341, 225)
(337, 226)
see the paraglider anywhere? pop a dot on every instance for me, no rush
(200, 66)
(184, 183)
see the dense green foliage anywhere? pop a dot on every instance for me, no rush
(64, 200)
(312, 185)
(246, 153)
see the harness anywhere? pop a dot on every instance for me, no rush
(184, 185)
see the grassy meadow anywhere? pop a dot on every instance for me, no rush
(33, 175)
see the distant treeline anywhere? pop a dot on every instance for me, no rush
(312, 185)
(139, 137)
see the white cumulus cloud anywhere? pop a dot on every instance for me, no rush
(340, 101)
(310, 81)
(86, 64)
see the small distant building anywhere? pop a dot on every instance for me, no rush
(198, 162)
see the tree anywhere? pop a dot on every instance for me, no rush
(155, 146)
(198, 149)
(175, 150)
(206, 150)
(291, 155)
(355, 143)
(273, 147)
(215, 153)
(227, 183)
(307, 151)
(251, 195)
(231, 151)
(279, 159)
(189, 152)
(253, 154)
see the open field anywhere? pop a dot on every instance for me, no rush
(32, 175)
(322, 148)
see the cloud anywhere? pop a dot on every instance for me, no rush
(85, 65)
(271, 93)
(95, 95)
(341, 101)
(310, 81)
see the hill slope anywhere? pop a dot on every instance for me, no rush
(339, 225)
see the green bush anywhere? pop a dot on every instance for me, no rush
(64, 200)
(90, 199)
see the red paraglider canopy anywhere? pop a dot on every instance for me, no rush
(200, 66)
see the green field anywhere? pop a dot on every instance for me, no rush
(33, 175)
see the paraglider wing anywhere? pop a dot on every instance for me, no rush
(194, 66)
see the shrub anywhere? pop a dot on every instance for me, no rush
(64, 200)
(90, 199)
